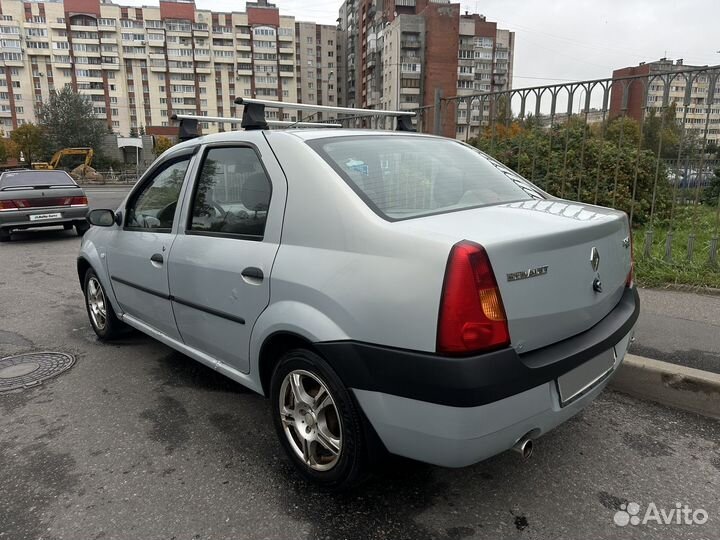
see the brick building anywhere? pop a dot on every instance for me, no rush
(399, 52)
(698, 110)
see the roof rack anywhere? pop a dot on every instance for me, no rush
(188, 128)
(254, 112)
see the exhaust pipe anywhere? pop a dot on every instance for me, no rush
(524, 447)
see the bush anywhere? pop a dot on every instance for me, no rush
(574, 161)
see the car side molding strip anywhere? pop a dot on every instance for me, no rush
(211, 311)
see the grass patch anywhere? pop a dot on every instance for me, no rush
(655, 270)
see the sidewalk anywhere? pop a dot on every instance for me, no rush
(680, 328)
(675, 359)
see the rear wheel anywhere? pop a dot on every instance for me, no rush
(4, 235)
(81, 227)
(318, 422)
(100, 312)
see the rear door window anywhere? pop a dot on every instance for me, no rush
(405, 177)
(232, 195)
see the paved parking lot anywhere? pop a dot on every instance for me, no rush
(137, 441)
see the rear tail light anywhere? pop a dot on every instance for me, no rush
(14, 204)
(78, 201)
(472, 317)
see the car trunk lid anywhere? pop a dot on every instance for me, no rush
(44, 196)
(540, 251)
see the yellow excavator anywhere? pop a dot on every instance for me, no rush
(82, 171)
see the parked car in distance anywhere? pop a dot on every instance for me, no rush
(30, 199)
(386, 290)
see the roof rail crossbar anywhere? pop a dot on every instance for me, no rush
(188, 128)
(189, 124)
(258, 107)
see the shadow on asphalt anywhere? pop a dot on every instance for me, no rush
(179, 371)
(42, 235)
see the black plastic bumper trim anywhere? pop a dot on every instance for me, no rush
(476, 380)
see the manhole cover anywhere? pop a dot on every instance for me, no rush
(26, 370)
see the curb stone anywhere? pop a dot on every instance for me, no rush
(677, 386)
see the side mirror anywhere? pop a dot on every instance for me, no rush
(101, 218)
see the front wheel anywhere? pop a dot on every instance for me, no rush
(100, 312)
(319, 424)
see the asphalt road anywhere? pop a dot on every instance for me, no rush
(137, 441)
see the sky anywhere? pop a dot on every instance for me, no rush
(567, 40)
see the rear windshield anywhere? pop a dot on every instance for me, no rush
(405, 177)
(35, 178)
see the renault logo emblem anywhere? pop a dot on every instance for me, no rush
(595, 259)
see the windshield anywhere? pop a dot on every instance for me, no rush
(13, 179)
(404, 177)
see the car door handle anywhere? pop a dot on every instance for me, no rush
(157, 258)
(253, 273)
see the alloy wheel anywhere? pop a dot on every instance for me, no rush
(310, 420)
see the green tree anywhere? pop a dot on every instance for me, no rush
(4, 147)
(28, 141)
(68, 121)
(711, 194)
(133, 132)
(665, 126)
(141, 132)
(161, 144)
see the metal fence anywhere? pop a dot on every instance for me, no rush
(111, 176)
(670, 120)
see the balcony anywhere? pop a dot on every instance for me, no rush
(410, 44)
(83, 28)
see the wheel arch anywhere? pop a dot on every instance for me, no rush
(273, 348)
(83, 265)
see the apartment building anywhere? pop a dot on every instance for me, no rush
(400, 52)
(140, 65)
(697, 108)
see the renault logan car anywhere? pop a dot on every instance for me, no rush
(385, 290)
(31, 199)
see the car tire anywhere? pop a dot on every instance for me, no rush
(81, 227)
(4, 235)
(99, 309)
(339, 424)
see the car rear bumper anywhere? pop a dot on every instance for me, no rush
(461, 436)
(457, 411)
(20, 219)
